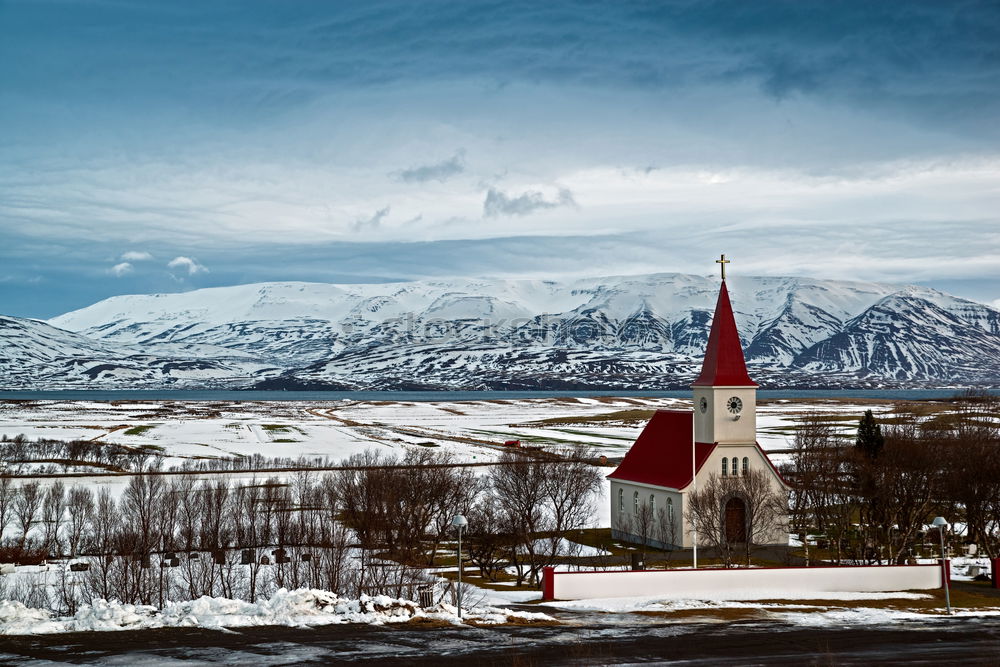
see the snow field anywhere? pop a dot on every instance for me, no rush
(339, 429)
(301, 607)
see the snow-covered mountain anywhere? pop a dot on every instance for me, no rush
(35, 355)
(617, 332)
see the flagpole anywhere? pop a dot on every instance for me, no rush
(694, 483)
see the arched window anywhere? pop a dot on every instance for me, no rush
(670, 510)
(746, 465)
(725, 466)
(621, 500)
(635, 503)
(652, 504)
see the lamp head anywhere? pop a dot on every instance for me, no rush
(939, 522)
(459, 521)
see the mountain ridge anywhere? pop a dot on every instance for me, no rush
(617, 332)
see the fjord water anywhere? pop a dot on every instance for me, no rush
(229, 395)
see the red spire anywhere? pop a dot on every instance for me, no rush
(724, 365)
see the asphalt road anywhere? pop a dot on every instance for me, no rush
(935, 642)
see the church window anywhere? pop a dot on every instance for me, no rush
(652, 503)
(746, 465)
(725, 466)
(621, 500)
(635, 503)
(670, 510)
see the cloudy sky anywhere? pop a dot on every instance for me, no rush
(163, 146)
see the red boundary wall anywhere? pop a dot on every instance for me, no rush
(549, 583)
(947, 570)
(549, 573)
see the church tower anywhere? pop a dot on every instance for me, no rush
(664, 466)
(725, 398)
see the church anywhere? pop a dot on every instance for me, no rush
(679, 451)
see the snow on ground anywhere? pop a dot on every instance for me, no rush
(866, 616)
(814, 610)
(565, 546)
(302, 607)
(471, 431)
(338, 429)
(962, 567)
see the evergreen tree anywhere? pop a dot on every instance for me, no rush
(870, 439)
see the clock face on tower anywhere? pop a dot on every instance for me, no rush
(734, 405)
(703, 405)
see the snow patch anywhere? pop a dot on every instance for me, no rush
(301, 607)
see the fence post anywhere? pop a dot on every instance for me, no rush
(994, 566)
(548, 583)
(944, 565)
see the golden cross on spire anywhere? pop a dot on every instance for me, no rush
(722, 261)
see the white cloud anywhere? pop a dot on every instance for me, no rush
(136, 256)
(439, 171)
(370, 223)
(122, 269)
(499, 203)
(30, 280)
(186, 264)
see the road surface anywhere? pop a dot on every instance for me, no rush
(626, 639)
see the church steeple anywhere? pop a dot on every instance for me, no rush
(725, 397)
(724, 365)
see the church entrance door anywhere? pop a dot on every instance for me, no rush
(736, 521)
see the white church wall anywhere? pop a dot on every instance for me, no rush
(756, 461)
(624, 517)
(769, 582)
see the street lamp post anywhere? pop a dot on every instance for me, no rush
(459, 522)
(940, 523)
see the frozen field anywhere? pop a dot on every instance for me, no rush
(471, 430)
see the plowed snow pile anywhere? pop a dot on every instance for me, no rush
(293, 608)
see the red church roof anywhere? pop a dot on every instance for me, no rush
(662, 454)
(724, 365)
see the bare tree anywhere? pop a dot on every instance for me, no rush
(764, 513)
(99, 582)
(457, 494)
(139, 507)
(644, 523)
(666, 528)
(26, 505)
(810, 474)
(53, 509)
(569, 489)
(248, 530)
(518, 484)
(766, 510)
(489, 538)
(971, 457)
(80, 507)
(188, 512)
(168, 516)
(7, 494)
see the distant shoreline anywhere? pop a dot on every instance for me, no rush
(449, 396)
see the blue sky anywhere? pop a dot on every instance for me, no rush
(162, 146)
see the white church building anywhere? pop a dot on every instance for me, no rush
(678, 451)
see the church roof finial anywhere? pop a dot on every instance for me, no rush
(724, 365)
(722, 261)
